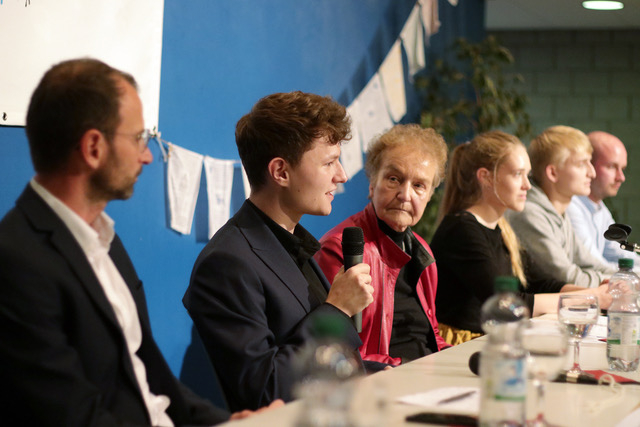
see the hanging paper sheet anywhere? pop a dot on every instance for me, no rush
(37, 34)
(184, 170)
(219, 175)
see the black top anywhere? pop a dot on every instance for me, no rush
(301, 245)
(470, 256)
(411, 327)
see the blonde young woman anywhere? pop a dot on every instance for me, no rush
(474, 243)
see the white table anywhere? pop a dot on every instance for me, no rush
(566, 404)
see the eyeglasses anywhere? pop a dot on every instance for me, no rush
(142, 138)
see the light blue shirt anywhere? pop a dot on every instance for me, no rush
(590, 220)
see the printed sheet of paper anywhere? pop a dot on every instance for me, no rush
(219, 175)
(245, 183)
(371, 111)
(35, 35)
(392, 77)
(469, 405)
(430, 18)
(412, 36)
(184, 169)
(351, 152)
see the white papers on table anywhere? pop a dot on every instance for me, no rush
(631, 420)
(598, 331)
(468, 405)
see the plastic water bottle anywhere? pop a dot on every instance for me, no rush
(623, 323)
(503, 369)
(323, 369)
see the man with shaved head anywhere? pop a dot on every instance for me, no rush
(589, 215)
(560, 170)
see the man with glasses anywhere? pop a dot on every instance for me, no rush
(75, 341)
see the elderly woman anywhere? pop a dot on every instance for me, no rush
(403, 166)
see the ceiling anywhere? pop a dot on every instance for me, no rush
(558, 14)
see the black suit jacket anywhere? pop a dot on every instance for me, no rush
(251, 304)
(63, 356)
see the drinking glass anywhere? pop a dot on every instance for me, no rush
(578, 313)
(547, 345)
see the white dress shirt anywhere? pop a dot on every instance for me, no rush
(590, 220)
(95, 241)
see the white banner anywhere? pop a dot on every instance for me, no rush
(36, 34)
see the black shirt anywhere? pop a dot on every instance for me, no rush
(411, 329)
(470, 256)
(301, 246)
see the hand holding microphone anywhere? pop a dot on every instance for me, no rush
(351, 290)
(352, 253)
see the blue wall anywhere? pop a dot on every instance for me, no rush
(219, 57)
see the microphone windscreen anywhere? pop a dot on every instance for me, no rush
(352, 241)
(474, 363)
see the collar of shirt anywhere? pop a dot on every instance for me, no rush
(401, 238)
(590, 204)
(94, 239)
(301, 245)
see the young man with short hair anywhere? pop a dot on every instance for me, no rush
(561, 168)
(255, 286)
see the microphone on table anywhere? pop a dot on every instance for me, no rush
(566, 377)
(474, 363)
(620, 233)
(352, 251)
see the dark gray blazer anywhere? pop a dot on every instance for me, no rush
(251, 305)
(63, 356)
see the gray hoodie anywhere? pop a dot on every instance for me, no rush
(551, 242)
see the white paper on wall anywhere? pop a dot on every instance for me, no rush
(371, 111)
(392, 76)
(219, 175)
(245, 182)
(351, 152)
(37, 34)
(430, 18)
(184, 169)
(412, 36)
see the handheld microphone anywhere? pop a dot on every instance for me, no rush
(566, 377)
(474, 363)
(352, 251)
(620, 233)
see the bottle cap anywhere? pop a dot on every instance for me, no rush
(505, 284)
(625, 263)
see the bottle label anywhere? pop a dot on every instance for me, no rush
(509, 380)
(623, 329)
